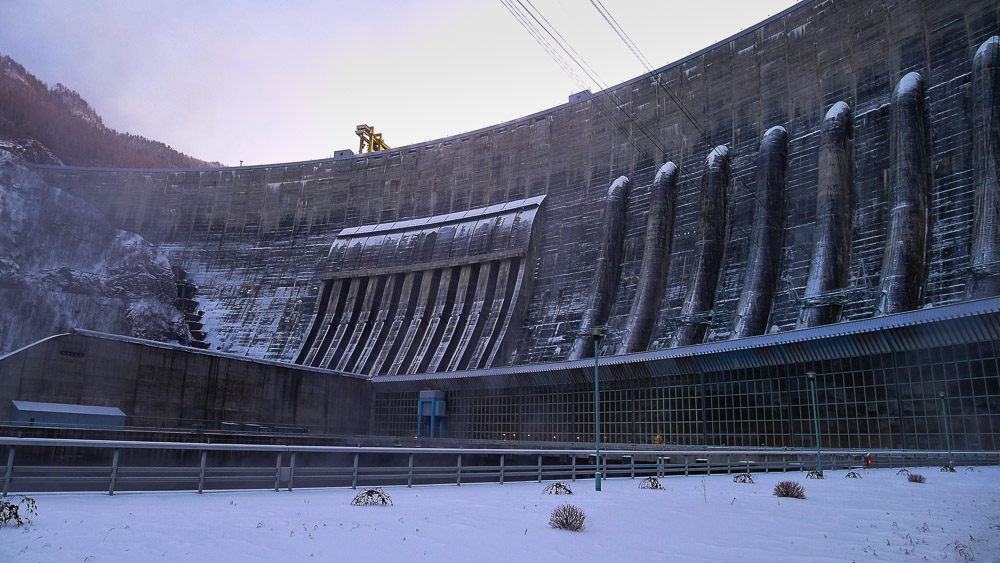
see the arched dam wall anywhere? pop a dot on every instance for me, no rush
(479, 250)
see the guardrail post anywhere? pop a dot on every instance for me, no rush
(201, 475)
(291, 472)
(765, 463)
(632, 459)
(539, 468)
(409, 476)
(708, 464)
(458, 478)
(114, 473)
(277, 473)
(354, 477)
(729, 464)
(686, 465)
(10, 470)
(501, 469)
(574, 467)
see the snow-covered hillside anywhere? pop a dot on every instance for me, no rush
(880, 517)
(62, 266)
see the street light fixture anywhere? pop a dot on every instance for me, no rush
(812, 387)
(597, 332)
(947, 435)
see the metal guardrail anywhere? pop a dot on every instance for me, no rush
(114, 466)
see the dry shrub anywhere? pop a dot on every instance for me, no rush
(11, 512)
(903, 471)
(964, 551)
(947, 469)
(557, 489)
(650, 483)
(853, 475)
(743, 478)
(372, 497)
(789, 489)
(916, 478)
(815, 475)
(567, 517)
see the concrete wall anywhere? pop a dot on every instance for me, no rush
(171, 386)
(255, 239)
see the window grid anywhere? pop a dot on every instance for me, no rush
(869, 402)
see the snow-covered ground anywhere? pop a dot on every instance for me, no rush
(881, 517)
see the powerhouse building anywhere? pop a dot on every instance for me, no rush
(818, 193)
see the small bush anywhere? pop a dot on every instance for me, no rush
(903, 471)
(947, 469)
(650, 483)
(557, 489)
(853, 475)
(789, 489)
(916, 478)
(567, 517)
(11, 512)
(743, 478)
(815, 475)
(964, 551)
(372, 497)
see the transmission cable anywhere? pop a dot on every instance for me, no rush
(542, 27)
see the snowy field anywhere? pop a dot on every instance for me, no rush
(882, 517)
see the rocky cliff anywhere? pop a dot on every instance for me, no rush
(63, 266)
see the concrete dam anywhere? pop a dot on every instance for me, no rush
(840, 183)
(835, 163)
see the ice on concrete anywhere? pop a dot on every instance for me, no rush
(665, 171)
(619, 184)
(838, 111)
(718, 153)
(777, 129)
(909, 85)
(991, 45)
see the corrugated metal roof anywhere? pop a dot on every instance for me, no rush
(31, 406)
(966, 322)
(189, 350)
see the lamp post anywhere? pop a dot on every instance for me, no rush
(947, 435)
(597, 332)
(812, 387)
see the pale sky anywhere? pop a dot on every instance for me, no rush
(280, 81)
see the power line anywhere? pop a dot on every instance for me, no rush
(542, 27)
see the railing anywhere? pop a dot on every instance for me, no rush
(43, 464)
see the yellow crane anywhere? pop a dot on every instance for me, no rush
(370, 138)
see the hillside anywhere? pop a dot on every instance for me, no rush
(63, 265)
(65, 124)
